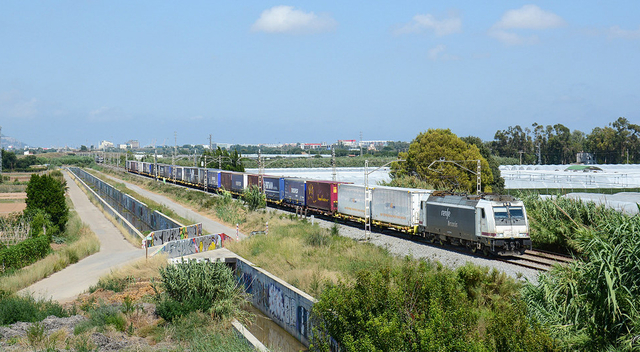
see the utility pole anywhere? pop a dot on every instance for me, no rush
(521, 156)
(260, 171)
(210, 144)
(360, 143)
(333, 164)
(173, 158)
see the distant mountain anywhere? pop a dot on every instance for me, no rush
(14, 143)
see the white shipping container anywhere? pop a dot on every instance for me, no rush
(351, 200)
(397, 206)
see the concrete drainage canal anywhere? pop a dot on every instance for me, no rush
(272, 336)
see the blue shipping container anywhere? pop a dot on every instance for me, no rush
(295, 191)
(273, 187)
(237, 182)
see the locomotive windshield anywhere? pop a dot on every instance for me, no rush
(508, 213)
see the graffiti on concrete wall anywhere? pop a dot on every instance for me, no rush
(278, 301)
(194, 245)
(163, 236)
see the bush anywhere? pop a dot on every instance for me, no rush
(254, 198)
(25, 252)
(112, 284)
(420, 306)
(191, 286)
(27, 309)
(102, 317)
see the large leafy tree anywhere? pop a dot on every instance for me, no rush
(442, 145)
(221, 158)
(47, 193)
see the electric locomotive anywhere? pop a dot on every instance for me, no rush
(494, 224)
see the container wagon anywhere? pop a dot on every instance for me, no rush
(397, 208)
(295, 191)
(322, 196)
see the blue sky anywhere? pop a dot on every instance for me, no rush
(77, 72)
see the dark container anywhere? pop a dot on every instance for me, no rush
(179, 173)
(322, 195)
(225, 180)
(253, 180)
(237, 182)
(295, 191)
(273, 187)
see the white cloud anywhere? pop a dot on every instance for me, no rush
(529, 17)
(510, 38)
(617, 32)
(286, 19)
(439, 53)
(422, 23)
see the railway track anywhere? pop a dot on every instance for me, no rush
(538, 260)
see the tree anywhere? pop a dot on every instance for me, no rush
(223, 159)
(439, 144)
(47, 193)
(83, 148)
(8, 160)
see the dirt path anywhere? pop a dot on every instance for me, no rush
(208, 225)
(15, 195)
(77, 278)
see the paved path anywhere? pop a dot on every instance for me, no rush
(66, 284)
(208, 225)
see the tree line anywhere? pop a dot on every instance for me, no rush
(616, 143)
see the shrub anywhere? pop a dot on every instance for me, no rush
(192, 286)
(102, 317)
(25, 252)
(254, 198)
(27, 309)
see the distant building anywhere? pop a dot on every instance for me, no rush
(585, 158)
(105, 144)
(134, 144)
(312, 145)
(347, 143)
(123, 146)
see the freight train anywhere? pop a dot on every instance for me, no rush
(495, 224)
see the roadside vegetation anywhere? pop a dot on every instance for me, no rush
(39, 248)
